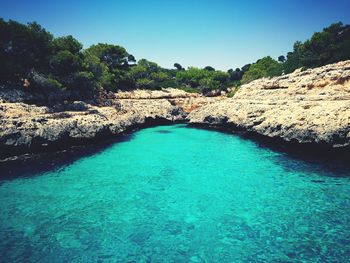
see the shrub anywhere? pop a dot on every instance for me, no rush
(144, 83)
(51, 83)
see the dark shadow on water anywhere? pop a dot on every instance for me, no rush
(292, 157)
(36, 164)
(324, 163)
(306, 158)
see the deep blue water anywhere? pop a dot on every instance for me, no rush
(178, 194)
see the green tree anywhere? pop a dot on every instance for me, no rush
(209, 68)
(67, 43)
(101, 74)
(178, 66)
(144, 83)
(159, 76)
(235, 75)
(246, 67)
(64, 63)
(265, 67)
(23, 49)
(329, 46)
(148, 75)
(118, 61)
(115, 57)
(202, 79)
(281, 59)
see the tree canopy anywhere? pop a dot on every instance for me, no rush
(329, 46)
(30, 54)
(265, 67)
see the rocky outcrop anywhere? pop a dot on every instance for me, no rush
(25, 128)
(169, 93)
(182, 99)
(311, 106)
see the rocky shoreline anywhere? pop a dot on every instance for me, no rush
(305, 107)
(26, 128)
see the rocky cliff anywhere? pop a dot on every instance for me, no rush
(311, 106)
(26, 128)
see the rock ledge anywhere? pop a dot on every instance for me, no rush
(311, 106)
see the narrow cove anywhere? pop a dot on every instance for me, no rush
(175, 193)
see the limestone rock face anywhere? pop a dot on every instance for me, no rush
(311, 106)
(182, 99)
(155, 94)
(24, 126)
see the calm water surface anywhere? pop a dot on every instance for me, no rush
(178, 194)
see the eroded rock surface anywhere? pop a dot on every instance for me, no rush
(311, 106)
(25, 127)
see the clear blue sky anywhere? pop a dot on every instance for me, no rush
(221, 33)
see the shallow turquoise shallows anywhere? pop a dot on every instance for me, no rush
(178, 194)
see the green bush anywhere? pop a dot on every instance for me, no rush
(265, 67)
(51, 83)
(202, 79)
(82, 81)
(144, 83)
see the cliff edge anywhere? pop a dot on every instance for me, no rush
(311, 106)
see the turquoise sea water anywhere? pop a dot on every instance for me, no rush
(178, 194)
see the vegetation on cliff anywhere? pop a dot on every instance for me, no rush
(33, 57)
